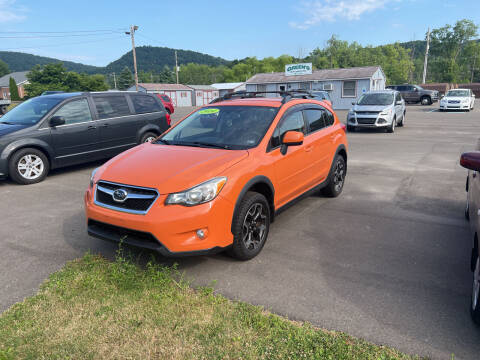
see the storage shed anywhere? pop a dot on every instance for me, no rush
(225, 88)
(203, 94)
(181, 95)
(343, 85)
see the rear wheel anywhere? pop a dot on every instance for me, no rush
(475, 303)
(28, 166)
(148, 137)
(336, 179)
(250, 226)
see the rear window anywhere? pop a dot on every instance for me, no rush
(145, 104)
(111, 106)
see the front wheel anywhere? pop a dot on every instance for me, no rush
(391, 128)
(28, 166)
(475, 303)
(403, 120)
(426, 100)
(336, 178)
(148, 137)
(250, 226)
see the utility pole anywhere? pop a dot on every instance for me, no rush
(114, 81)
(473, 68)
(176, 65)
(424, 78)
(134, 28)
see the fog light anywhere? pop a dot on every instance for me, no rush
(382, 121)
(202, 233)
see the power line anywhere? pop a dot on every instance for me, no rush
(62, 44)
(57, 36)
(60, 32)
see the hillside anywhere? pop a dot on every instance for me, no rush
(18, 61)
(153, 58)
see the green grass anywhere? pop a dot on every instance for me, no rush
(97, 309)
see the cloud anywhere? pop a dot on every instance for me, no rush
(9, 12)
(331, 10)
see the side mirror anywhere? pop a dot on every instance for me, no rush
(399, 102)
(353, 102)
(57, 121)
(291, 138)
(471, 160)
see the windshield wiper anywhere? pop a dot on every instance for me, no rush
(203, 144)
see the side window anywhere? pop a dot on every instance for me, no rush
(111, 106)
(292, 122)
(315, 119)
(401, 88)
(329, 119)
(145, 104)
(75, 112)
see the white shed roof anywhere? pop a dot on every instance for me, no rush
(227, 86)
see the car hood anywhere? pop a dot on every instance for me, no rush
(7, 129)
(169, 168)
(458, 98)
(378, 108)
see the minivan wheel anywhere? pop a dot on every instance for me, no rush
(28, 166)
(336, 179)
(250, 226)
(475, 303)
(148, 137)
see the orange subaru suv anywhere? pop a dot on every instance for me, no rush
(216, 179)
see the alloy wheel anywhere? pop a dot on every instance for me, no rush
(254, 228)
(30, 166)
(149, 139)
(339, 175)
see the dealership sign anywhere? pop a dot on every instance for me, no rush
(298, 69)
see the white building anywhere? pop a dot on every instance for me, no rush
(225, 88)
(181, 95)
(203, 94)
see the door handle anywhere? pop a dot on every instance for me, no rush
(308, 148)
(91, 127)
(105, 125)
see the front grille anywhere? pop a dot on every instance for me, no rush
(368, 112)
(454, 101)
(366, 121)
(120, 234)
(137, 201)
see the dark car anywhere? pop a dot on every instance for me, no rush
(51, 92)
(471, 161)
(322, 96)
(416, 94)
(52, 131)
(167, 103)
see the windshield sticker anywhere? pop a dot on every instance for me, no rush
(209, 111)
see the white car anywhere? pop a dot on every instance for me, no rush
(458, 99)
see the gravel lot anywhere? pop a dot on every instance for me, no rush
(386, 261)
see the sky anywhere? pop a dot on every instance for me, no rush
(93, 32)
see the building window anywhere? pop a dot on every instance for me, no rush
(349, 89)
(304, 86)
(262, 88)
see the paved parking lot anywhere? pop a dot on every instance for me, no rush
(387, 261)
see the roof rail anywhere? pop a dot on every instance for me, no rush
(286, 95)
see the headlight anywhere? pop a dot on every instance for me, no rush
(92, 176)
(351, 113)
(386, 112)
(199, 194)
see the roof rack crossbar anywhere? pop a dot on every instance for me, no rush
(286, 95)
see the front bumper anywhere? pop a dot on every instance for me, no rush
(454, 106)
(170, 230)
(371, 122)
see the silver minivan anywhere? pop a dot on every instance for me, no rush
(382, 109)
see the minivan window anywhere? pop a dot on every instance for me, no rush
(145, 104)
(315, 119)
(74, 112)
(111, 106)
(31, 111)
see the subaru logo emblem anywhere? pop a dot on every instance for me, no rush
(120, 195)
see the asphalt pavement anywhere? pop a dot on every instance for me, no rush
(387, 261)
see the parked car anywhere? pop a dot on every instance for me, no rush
(52, 131)
(167, 103)
(380, 109)
(323, 96)
(416, 94)
(223, 173)
(471, 161)
(4, 103)
(458, 99)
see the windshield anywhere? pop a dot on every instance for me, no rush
(376, 99)
(29, 112)
(227, 127)
(460, 93)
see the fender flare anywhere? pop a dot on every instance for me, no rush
(330, 172)
(259, 179)
(14, 146)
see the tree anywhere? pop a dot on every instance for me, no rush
(56, 77)
(13, 90)
(125, 80)
(4, 70)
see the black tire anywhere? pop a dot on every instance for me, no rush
(403, 120)
(350, 128)
(245, 227)
(147, 137)
(425, 100)
(168, 111)
(475, 299)
(391, 128)
(36, 169)
(336, 178)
